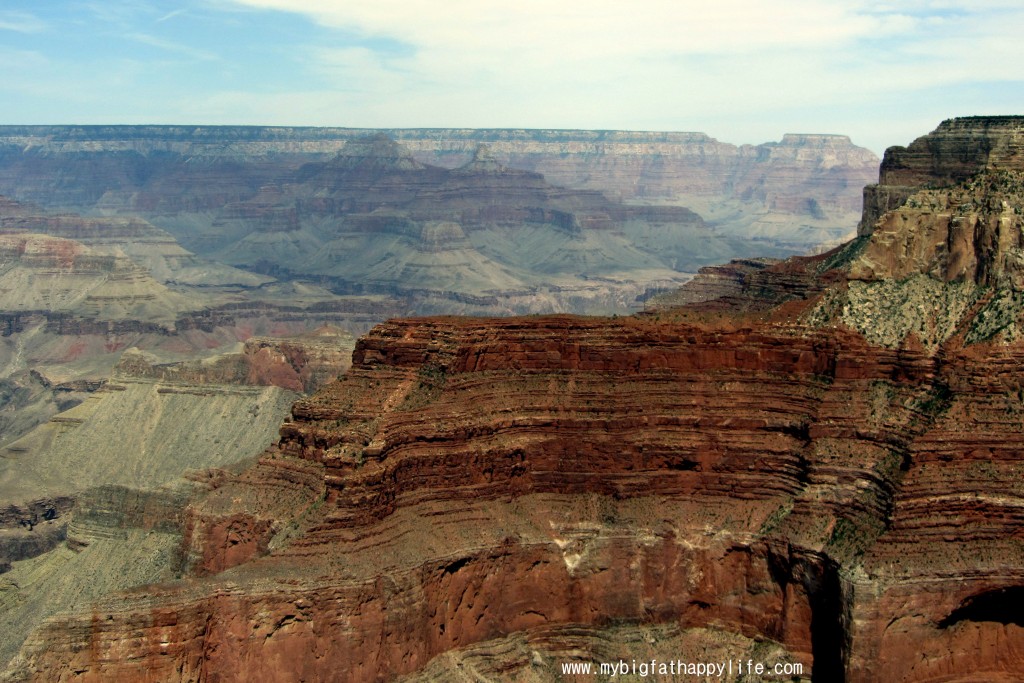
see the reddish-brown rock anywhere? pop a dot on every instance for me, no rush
(754, 466)
(613, 471)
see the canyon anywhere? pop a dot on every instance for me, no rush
(85, 514)
(813, 461)
(184, 242)
(454, 221)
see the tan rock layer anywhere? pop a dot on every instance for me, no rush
(956, 150)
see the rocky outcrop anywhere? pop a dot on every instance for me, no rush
(248, 514)
(714, 286)
(969, 233)
(567, 562)
(945, 263)
(944, 581)
(955, 151)
(31, 529)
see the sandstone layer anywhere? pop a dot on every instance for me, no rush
(952, 153)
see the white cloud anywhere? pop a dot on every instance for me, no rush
(741, 70)
(591, 28)
(169, 15)
(171, 46)
(21, 22)
(460, 41)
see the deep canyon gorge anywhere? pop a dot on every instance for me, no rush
(806, 459)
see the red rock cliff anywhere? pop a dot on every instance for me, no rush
(500, 476)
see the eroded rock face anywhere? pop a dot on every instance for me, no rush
(952, 153)
(484, 478)
(946, 261)
(968, 233)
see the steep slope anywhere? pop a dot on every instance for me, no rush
(94, 501)
(151, 421)
(141, 433)
(114, 463)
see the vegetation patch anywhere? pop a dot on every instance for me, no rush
(886, 312)
(999, 319)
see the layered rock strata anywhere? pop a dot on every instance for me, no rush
(955, 151)
(122, 537)
(791, 467)
(274, 200)
(373, 218)
(104, 479)
(613, 471)
(800, 171)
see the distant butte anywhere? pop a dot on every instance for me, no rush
(268, 200)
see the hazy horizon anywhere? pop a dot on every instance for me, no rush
(740, 71)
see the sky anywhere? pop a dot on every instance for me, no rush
(742, 71)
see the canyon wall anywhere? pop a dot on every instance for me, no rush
(827, 169)
(952, 153)
(811, 462)
(773, 482)
(790, 196)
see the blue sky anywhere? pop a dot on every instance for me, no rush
(743, 71)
